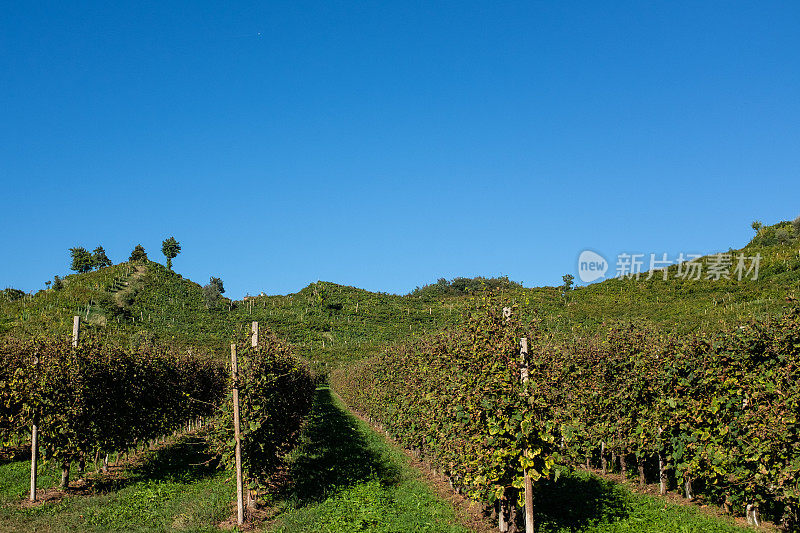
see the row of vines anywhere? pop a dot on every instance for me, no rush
(713, 415)
(98, 398)
(276, 391)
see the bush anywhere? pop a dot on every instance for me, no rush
(138, 254)
(11, 294)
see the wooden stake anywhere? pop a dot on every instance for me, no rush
(502, 524)
(603, 465)
(238, 437)
(662, 470)
(76, 330)
(34, 442)
(523, 357)
(254, 339)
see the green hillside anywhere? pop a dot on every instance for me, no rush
(144, 303)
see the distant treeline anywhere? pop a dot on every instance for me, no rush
(461, 286)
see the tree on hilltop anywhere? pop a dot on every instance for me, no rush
(568, 280)
(100, 259)
(213, 291)
(138, 254)
(218, 283)
(170, 248)
(81, 260)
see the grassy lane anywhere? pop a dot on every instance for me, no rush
(170, 490)
(346, 478)
(582, 502)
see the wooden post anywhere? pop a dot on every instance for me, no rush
(76, 333)
(603, 465)
(623, 465)
(523, 356)
(238, 437)
(34, 442)
(502, 523)
(254, 338)
(76, 330)
(662, 470)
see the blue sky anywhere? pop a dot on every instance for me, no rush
(385, 145)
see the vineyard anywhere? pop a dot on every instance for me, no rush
(712, 415)
(73, 403)
(94, 399)
(687, 386)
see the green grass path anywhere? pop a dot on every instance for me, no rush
(582, 502)
(347, 478)
(171, 490)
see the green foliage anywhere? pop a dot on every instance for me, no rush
(170, 248)
(464, 286)
(458, 396)
(99, 397)
(757, 225)
(720, 409)
(10, 294)
(779, 234)
(174, 487)
(568, 280)
(796, 226)
(58, 284)
(275, 395)
(100, 259)
(211, 295)
(81, 260)
(217, 282)
(138, 254)
(784, 235)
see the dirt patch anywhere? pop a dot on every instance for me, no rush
(255, 518)
(78, 487)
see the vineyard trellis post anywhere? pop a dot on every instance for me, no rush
(523, 356)
(34, 439)
(251, 502)
(76, 330)
(76, 335)
(238, 438)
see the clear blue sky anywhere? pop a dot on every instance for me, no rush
(384, 145)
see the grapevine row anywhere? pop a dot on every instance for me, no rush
(716, 415)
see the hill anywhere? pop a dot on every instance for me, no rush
(145, 303)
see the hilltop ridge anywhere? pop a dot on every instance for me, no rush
(145, 303)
